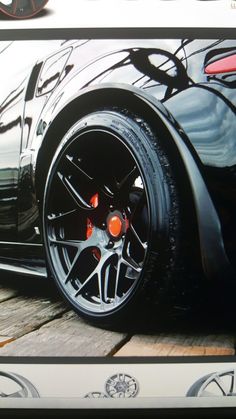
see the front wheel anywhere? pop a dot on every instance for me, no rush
(110, 216)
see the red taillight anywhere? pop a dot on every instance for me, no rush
(223, 65)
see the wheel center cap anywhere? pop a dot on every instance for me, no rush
(121, 387)
(115, 226)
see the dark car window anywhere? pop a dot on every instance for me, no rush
(51, 72)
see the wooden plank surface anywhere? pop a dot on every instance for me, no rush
(66, 336)
(178, 345)
(7, 293)
(21, 315)
(34, 321)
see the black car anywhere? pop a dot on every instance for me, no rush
(118, 168)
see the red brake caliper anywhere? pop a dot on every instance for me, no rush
(94, 202)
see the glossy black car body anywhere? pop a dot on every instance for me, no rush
(174, 88)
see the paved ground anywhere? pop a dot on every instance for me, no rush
(34, 321)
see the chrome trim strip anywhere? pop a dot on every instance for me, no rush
(39, 272)
(20, 244)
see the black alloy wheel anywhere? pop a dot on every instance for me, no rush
(110, 216)
(22, 9)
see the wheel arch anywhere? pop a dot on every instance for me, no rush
(209, 239)
(90, 101)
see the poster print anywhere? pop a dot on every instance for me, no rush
(21, 9)
(46, 382)
(81, 120)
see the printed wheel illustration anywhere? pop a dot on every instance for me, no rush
(122, 385)
(110, 215)
(96, 395)
(14, 385)
(216, 384)
(22, 9)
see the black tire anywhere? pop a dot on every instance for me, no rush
(22, 9)
(111, 175)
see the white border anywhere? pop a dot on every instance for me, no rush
(130, 13)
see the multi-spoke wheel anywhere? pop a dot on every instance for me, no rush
(95, 395)
(216, 384)
(109, 215)
(122, 386)
(21, 9)
(14, 385)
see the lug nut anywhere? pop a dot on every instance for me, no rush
(110, 244)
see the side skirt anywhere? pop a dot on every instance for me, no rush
(23, 259)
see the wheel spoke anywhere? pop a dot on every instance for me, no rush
(60, 216)
(80, 172)
(138, 206)
(33, 5)
(111, 382)
(108, 190)
(126, 183)
(73, 193)
(136, 236)
(117, 279)
(232, 383)
(106, 283)
(71, 270)
(221, 385)
(98, 272)
(128, 261)
(90, 182)
(65, 243)
(92, 241)
(81, 245)
(86, 282)
(20, 393)
(14, 6)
